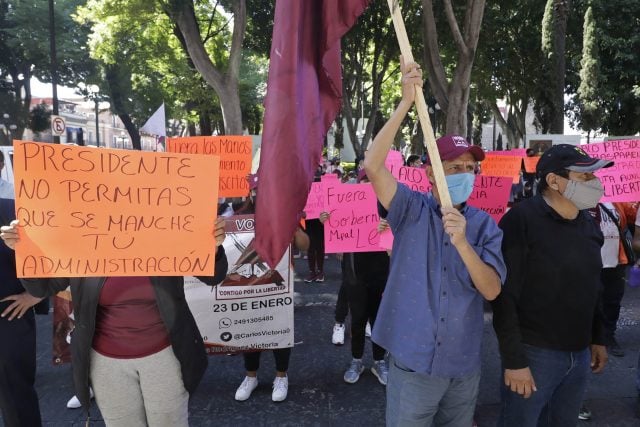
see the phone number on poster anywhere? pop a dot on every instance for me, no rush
(252, 320)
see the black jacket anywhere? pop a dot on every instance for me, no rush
(184, 335)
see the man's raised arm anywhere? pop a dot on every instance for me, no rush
(384, 184)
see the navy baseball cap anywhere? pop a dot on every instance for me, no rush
(569, 157)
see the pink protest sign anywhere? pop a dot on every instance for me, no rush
(315, 201)
(353, 218)
(386, 239)
(491, 194)
(394, 159)
(414, 178)
(622, 180)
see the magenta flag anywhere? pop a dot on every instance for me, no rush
(304, 93)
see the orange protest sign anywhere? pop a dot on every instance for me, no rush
(530, 163)
(502, 166)
(235, 159)
(95, 212)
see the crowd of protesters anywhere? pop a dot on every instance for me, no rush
(553, 271)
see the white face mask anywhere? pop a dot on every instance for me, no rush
(584, 194)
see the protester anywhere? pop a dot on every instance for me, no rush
(616, 254)
(636, 279)
(414, 161)
(636, 235)
(341, 312)
(18, 398)
(445, 262)
(364, 276)
(6, 188)
(135, 342)
(315, 254)
(281, 355)
(547, 319)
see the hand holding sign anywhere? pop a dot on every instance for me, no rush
(9, 234)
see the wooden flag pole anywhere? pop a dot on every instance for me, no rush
(421, 106)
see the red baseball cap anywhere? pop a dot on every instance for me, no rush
(453, 146)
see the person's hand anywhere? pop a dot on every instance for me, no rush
(455, 225)
(324, 217)
(599, 358)
(383, 225)
(339, 256)
(21, 303)
(219, 232)
(520, 381)
(411, 77)
(9, 234)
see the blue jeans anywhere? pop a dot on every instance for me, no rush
(638, 375)
(561, 379)
(415, 399)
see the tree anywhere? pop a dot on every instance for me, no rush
(554, 33)
(24, 52)
(508, 63)
(222, 78)
(618, 40)
(452, 94)
(589, 101)
(144, 61)
(135, 60)
(367, 52)
(39, 118)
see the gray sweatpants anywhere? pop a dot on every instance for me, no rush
(147, 391)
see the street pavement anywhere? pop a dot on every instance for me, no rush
(317, 394)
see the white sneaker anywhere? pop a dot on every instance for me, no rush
(367, 330)
(246, 388)
(338, 334)
(74, 403)
(280, 389)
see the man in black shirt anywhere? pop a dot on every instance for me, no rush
(546, 318)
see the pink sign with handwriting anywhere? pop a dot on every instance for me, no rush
(353, 218)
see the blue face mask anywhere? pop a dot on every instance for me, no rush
(460, 186)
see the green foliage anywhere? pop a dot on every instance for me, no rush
(133, 42)
(590, 102)
(253, 88)
(548, 29)
(508, 61)
(25, 52)
(39, 118)
(259, 27)
(370, 80)
(137, 42)
(617, 41)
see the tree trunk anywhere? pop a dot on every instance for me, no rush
(452, 97)
(118, 104)
(133, 131)
(224, 84)
(561, 11)
(347, 111)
